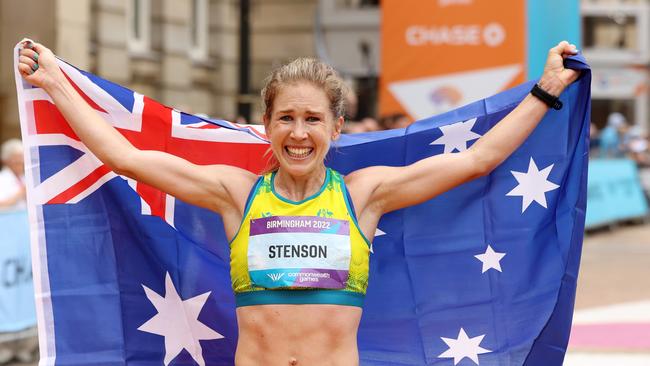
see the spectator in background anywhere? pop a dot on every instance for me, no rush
(12, 175)
(367, 124)
(611, 136)
(396, 120)
(22, 345)
(240, 120)
(636, 146)
(370, 124)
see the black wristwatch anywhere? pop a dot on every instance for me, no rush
(548, 99)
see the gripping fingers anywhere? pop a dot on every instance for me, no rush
(29, 58)
(36, 47)
(29, 53)
(570, 49)
(559, 48)
(24, 60)
(24, 69)
(564, 48)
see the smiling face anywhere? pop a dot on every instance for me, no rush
(300, 128)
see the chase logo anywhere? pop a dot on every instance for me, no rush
(275, 276)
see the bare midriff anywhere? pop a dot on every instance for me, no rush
(297, 335)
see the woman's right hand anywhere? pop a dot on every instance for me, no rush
(37, 64)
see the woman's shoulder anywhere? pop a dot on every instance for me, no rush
(364, 175)
(361, 184)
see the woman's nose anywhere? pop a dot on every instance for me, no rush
(299, 131)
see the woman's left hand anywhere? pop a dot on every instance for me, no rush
(556, 77)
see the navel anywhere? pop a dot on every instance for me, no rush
(293, 361)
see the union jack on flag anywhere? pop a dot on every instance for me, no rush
(125, 274)
(146, 124)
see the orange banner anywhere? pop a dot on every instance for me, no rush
(440, 54)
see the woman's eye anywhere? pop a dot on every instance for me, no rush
(313, 119)
(286, 118)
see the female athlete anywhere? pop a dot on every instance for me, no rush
(299, 235)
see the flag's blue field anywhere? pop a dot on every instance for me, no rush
(484, 274)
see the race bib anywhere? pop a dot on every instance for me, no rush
(299, 251)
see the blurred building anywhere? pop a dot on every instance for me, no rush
(186, 53)
(616, 42)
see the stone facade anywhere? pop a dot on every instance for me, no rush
(18, 19)
(616, 42)
(93, 35)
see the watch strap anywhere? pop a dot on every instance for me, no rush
(548, 99)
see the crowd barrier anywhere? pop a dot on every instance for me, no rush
(614, 192)
(16, 289)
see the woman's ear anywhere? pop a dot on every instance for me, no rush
(338, 126)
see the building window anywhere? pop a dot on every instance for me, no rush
(616, 32)
(139, 32)
(199, 30)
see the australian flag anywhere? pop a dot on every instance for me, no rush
(484, 274)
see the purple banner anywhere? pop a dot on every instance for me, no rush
(304, 278)
(321, 278)
(299, 224)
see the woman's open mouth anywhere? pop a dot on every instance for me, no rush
(298, 152)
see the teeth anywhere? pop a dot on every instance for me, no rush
(299, 152)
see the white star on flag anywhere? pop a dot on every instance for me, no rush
(177, 321)
(378, 232)
(456, 136)
(490, 259)
(533, 185)
(463, 347)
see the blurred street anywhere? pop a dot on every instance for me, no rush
(612, 314)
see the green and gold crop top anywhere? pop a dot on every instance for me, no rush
(306, 252)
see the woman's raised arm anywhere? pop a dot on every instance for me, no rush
(377, 190)
(205, 186)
